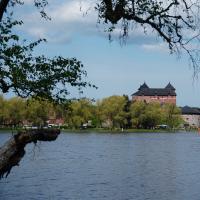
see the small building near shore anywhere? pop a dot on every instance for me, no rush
(159, 95)
(191, 116)
(55, 121)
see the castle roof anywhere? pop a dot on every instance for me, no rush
(144, 90)
(169, 86)
(143, 86)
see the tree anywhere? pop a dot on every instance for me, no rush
(14, 149)
(27, 75)
(176, 22)
(37, 112)
(16, 111)
(4, 114)
(136, 110)
(79, 112)
(150, 115)
(127, 111)
(146, 115)
(113, 111)
(40, 4)
(39, 77)
(35, 76)
(172, 115)
(153, 115)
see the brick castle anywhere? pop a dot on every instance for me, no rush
(160, 95)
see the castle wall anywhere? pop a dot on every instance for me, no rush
(158, 99)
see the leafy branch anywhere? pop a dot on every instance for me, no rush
(35, 76)
(174, 21)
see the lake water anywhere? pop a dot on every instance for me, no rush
(142, 166)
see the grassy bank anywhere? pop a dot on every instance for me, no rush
(100, 130)
(103, 130)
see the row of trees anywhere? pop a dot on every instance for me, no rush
(111, 112)
(17, 111)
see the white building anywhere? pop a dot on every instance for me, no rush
(191, 116)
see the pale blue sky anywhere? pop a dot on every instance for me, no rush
(115, 69)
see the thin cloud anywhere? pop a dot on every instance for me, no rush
(156, 47)
(66, 19)
(78, 17)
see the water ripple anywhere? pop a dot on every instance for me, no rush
(108, 167)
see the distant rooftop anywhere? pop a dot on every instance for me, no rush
(144, 90)
(186, 110)
(143, 86)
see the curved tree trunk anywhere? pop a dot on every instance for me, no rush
(13, 150)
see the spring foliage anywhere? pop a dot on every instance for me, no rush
(111, 112)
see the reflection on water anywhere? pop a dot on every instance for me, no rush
(108, 166)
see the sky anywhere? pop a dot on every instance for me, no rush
(114, 68)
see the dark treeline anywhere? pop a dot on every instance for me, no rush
(111, 112)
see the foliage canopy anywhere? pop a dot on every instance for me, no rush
(110, 112)
(28, 75)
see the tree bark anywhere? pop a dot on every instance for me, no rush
(13, 150)
(3, 6)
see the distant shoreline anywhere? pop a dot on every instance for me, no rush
(103, 130)
(120, 131)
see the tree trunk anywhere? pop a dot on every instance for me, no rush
(13, 150)
(3, 6)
